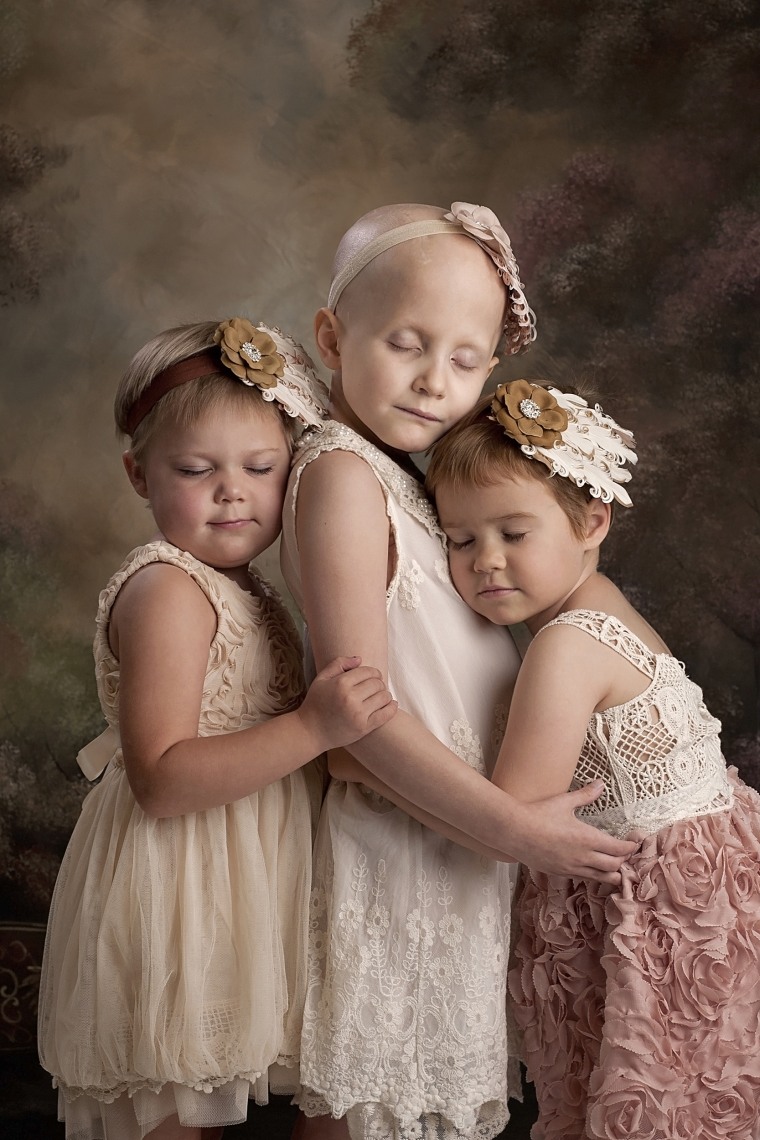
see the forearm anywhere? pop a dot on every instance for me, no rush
(417, 768)
(204, 772)
(343, 766)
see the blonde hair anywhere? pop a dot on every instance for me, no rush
(478, 453)
(185, 404)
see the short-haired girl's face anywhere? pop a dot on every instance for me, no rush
(512, 551)
(216, 487)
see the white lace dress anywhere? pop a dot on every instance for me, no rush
(640, 1007)
(175, 963)
(405, 1021)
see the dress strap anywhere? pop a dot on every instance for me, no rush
(610, 631)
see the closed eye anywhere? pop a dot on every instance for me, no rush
(453, 545)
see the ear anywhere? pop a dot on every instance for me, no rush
(492, 365)
(598, 521)
(327, 336)
(135, 474)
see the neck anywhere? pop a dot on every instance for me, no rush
(341, 411)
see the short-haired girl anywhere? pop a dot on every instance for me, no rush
(174, 971)
(639, 1006)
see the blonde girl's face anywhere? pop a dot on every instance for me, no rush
(216, 488)
(512, 552)
(415, 340)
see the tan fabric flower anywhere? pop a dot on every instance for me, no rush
(249, 353)
(529, 413)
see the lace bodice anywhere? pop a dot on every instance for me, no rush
(659, 753)
(249, 678)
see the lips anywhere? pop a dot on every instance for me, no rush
(496, 591)
(231, 524)
(420, 415)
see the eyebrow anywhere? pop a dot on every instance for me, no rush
(496, 519)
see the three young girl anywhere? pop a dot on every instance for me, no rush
(174, 971)
(639, 1006)
(177, 969)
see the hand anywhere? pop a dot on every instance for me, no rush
(558, 843)
(345, 701)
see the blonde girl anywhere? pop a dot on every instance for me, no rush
(174, 970)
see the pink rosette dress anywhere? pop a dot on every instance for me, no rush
(175, 964)
(640, 1007)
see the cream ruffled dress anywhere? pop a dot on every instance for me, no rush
(175, 964)
(640, 1007)
(405, 1027)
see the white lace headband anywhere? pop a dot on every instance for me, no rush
(560, 430)
(477, 222)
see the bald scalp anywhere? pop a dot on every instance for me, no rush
(378, 222)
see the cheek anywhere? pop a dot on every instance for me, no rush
(459, 571)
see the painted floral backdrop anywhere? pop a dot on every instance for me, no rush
(171, 160)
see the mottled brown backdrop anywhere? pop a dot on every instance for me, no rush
(170, 160)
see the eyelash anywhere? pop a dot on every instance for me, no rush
(194, 472)
(510, 538)
(413, 348)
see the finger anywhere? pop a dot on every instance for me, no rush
(362, 685)
(337, 666)
(374, 701)
(614, 878)
(382, 715)
(588, 793)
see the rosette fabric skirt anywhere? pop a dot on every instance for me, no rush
(640, 1007)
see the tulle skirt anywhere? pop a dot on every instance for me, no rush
(640, 1007)
(175, 963)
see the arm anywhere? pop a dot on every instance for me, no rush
(343, 766)
(162, 627)
(343, 541)
(564, 677)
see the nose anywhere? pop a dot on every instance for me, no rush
(229, 486)
(431, 377)
(489, 555)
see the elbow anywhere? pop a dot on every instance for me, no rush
(153, 799)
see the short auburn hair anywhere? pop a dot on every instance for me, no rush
(477, 452)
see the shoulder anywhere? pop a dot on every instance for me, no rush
(339, 482)
(561, 646)
(161, 594)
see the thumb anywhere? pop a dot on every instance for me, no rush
(337, 666)
(588, 793)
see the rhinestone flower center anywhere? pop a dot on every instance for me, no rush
(529, 409)
(250, 352)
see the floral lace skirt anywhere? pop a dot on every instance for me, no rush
(175, 963)
(405, 1021)
(640, 1008)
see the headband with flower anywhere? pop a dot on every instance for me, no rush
(259, 356)
(476, 222)
(560, 430)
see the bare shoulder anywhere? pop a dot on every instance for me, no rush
(600, 593)
(160, 593)
(339, 483)
(560, 648)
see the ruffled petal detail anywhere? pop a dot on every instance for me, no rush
(648, 998)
